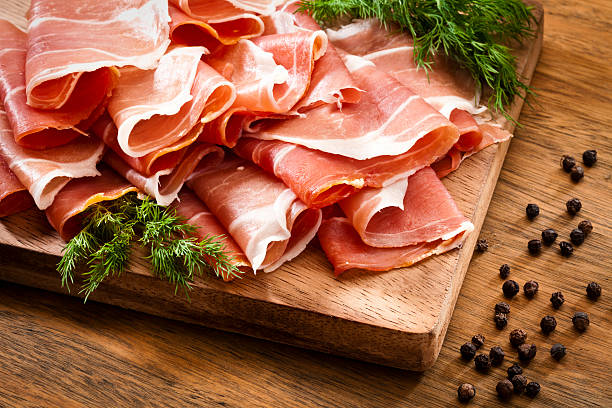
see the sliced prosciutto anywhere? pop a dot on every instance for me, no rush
(66, 212)
(14, 197)
(262, 215)
(33, 128)
(195, 213)
(45, 172)
(74, 44)
(157, 108)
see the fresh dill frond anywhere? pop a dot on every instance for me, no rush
(471, 32)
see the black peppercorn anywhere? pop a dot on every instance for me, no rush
(468, 351)
(549, 236)
(532, 211)
(482, 362)
(530, 288)
(513, 370)
(558, 351)
(496, 355)
(589, 157)
(573, 206)
(510, 288)
(567, 162)
(548, 324)
(504, 271)
(593, 290)
(566, 249)
(532, 389)
(504, 389)
(557, 300)
(466, 392)
(534, 246)
(585, 226)
(577, 173)
(577, 236)
(580, 320)
(502, 307)
(527, 351)
(501, 320)
(518, 337)
(519, 382)
(478, 340)
(482, 245)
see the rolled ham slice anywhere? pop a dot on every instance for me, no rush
(66, 212)
(262, 215)
(14, 197)
(33, 128)
(45, 172)
(110, 34)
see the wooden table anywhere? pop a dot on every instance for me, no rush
(55, 351)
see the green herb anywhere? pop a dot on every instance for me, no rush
(109, 230)
(470, 32)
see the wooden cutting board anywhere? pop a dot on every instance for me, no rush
(397, 318)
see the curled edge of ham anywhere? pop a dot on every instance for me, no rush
(14, 197)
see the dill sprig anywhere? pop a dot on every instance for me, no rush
(474, 33)
(109, 230)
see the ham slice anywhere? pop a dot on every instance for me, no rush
(110, 34)
(14, 197)
(32, 128)
(157, 108)
(65, 214)
(262, 215)
(45, 172)
(195, 213)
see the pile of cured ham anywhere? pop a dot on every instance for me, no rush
(247, 118)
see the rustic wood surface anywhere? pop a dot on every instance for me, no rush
(57, 352)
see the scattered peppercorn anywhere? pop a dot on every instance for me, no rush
(527, 351)
(532, 389)
(504, 271)
(532, 211)
(567, 162)
(577, 173)
(558, 351)
(518, 337)
(566, 249)
(593, 290)
(530, 288)
(589, 157)
(585, 226)
(519, 382)
(504, 389)
(466, 392)
(548, 324)
(534, 246)
(549, 236)
(502, 307)
(501, 320)
(496, 355)
(510, 288)
(577, 236)
(478, 340)
(513, 370)
(580, 320)
(573, 205)
(482, 245)
(482, 362)
(557, 299)
(468, 351)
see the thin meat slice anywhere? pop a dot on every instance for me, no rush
(45, 172)
(66, 212)
(409, 212)
(33, 128)
(14, 197)
(345, 249)
(74, 44)
(157, 108)
(195, 213)
(262, 215)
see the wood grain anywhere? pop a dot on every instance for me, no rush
(55, 351)
(398, 318)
